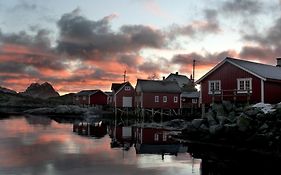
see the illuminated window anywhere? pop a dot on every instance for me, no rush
(165, 99)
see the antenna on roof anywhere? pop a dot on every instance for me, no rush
(193, 71)
(124, 76)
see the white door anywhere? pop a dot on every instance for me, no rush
(127, 102)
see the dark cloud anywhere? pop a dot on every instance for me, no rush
(244, 7)
(20, 68)
(201, 59)
(209, 25)
(131, 60)
(81, 36)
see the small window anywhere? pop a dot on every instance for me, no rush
(156, 99)
(165, 99)
(194, 100)
(214, 87)
(127, 88)
(175, 99)
(84, 97)
(156, 137)
(244, 85)
(164, 136)
(77, 98)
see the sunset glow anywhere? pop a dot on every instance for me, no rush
(89, 45)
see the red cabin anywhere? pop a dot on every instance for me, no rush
(123, 95)
(90, 97)
(158, 94)
(241, 81)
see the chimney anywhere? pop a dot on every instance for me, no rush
(163, 78)
(177, 73)
(278, 62)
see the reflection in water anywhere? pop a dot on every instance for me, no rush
(53, 149)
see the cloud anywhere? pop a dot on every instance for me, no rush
(244, 7)
(208, 25)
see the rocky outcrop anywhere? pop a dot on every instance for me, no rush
(6, 90)
(43, 91)
(256, 126)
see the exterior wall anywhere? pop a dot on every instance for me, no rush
(149, 101)
(98, 98)
(272, 92)
(123, 93)
(228, 74)
(187, 102)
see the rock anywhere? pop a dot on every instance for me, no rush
(228, 106)
(263, 127)
(215, 129)
(243, 123)
(232, 117)
(252, 112)
(218, 109)
(204, 128)
(222, 120)
(230, 129)
(43, 91)
(210, 119)
(196, 123)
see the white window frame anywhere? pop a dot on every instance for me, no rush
(164, 136)
(244, 90)
(175, 99)
(127, 88)
(165, 99)
(216, 91)
(156, 99)
(194, 101)
(156, 137)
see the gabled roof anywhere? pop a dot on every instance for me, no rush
(86, 92)
(157, 86)
(180, 79)
(116, 86)
(262, 71)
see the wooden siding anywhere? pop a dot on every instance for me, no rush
(272, 92)
(228, 74)
(147, 136)
(125, 93)
(149, 101)
(98, 98)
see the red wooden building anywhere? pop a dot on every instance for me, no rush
(123, 95)
(90, 97)
(242, 81)
(157, 94)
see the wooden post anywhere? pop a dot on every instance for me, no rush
(203, 110)
(213, 96)
(234, 96)
(152, 111)
(221, 95)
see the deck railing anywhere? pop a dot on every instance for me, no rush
(231, 94)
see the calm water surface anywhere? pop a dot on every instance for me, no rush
(39, 146)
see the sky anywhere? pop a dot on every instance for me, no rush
(88, 44)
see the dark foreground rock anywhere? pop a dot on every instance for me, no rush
(254, 127)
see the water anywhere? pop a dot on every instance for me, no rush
(41, 146)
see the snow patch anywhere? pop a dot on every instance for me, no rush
(264, 107)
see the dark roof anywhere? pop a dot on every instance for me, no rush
(87, 92)
(116, 86)
(190, 94)
(262, 71)
(157, 86)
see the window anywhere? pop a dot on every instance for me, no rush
(84, 97)
(164, 136)
(77, 98)
(214, 87)
(194, 100)
(156, 99)
(165, 99)
(244, 85)
(127, 88)
(156, 137)
(175, 99)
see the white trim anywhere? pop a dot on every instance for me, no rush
(156, 99)
(165, 99)
(244, 90)
(89, 99)
(175, 99)
(216, 91)
(262, 91)
(127, 83)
